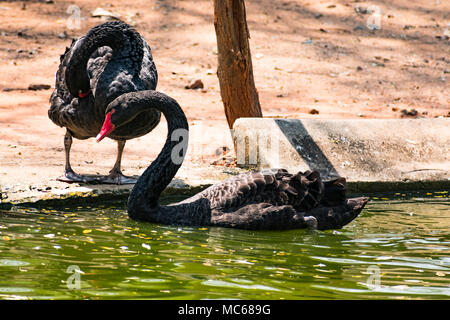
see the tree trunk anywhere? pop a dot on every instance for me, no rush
(235, 71)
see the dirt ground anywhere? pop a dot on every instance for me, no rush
(311, 59)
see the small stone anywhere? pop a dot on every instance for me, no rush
(105, 14)
(382, 59)
(361, 10)
(358, 68)
(62, 35)
(409, 113)
(313, 111)
(196, 84)
(36, 87)
(378, 64)
(445, 37)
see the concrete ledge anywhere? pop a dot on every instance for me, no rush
(190, 180)
(86, 194)
(76, 195)
(371, 153)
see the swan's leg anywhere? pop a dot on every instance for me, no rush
(67, 146)
(69, 174)
(115, 175)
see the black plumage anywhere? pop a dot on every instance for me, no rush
(268, 199)
(110, 60)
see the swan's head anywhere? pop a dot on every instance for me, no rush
(117, 114)
(78, 84)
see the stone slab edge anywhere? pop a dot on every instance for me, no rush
(99, 194)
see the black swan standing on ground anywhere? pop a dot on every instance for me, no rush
(272, 199)
(112, 59)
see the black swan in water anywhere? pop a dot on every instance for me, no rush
(272, 199)
(112, 59)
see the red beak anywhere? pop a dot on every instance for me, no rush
(107, 128)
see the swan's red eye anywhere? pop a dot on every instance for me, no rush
(107, 127)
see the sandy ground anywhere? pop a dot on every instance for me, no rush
(312, 59)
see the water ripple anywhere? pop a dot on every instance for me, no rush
(403, 243)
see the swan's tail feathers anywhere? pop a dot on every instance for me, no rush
(335, 217)
(309, 190)
(334, 192)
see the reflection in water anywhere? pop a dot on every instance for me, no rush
(395, 249)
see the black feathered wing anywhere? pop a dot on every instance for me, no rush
(276, 187)
(84, 117)
(76, 114)
(276, 199)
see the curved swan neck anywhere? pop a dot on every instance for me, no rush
(157, 176)
(117, 35)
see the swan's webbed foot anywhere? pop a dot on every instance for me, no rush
(116, 177)
(70, 176)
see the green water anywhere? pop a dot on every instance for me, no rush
(398, 248)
